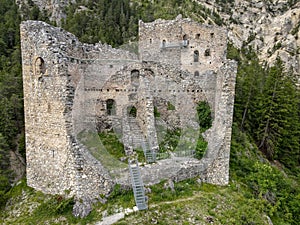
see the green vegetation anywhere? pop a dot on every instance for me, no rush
(205, 122)
(115, 148)
(11, 92)
(132, 112)
(116, 22)
(112, 144)
(204, 116)
(170, 106)
(11, 105)
(170, 140)
(200, 147)
(278, 193)
(156, 112)
(105, 147)
(267, 108)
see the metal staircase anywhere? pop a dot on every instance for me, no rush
(137, 185)
(150, 156)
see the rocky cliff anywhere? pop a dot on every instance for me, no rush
(270, 27)
(54, 8)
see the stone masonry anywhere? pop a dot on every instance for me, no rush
(73, 90)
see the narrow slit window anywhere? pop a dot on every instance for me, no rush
(196, 56)
(163, 44)
(185, 41)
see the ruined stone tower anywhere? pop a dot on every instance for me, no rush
(73, 90)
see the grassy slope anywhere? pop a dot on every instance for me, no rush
(243, 201)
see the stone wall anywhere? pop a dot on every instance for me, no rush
(73, 90)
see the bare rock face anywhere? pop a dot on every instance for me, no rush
(271, 28)
(55, 8)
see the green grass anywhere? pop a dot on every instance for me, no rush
(104, 147)
(193, 203)
(112, 144)
(256, 190)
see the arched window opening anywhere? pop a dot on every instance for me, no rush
(164, 43)
(197, 36)
(111, 107)
(135, 76)
(196, 56)
(212, 35)
(150, 40)
(132, 111)
(40, 67)
(185, 41)
(196, 74)
(207, 52)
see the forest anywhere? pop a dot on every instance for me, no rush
(266, 110)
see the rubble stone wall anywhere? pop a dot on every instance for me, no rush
(71, 88)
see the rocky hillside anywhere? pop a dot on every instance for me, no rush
(270, 27)
(54, 8)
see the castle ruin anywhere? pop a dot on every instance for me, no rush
(74, 90)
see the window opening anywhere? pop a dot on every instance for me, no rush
(135, 76)
(111, 107)
(197, 36)
(196, 56)
(132, 111)
(196, 74)
(163, 44)
(40, 67)
(185, 41)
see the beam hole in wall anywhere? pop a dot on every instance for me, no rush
(110, 107)
(196, 56)
(207, 52)
(40, 67)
